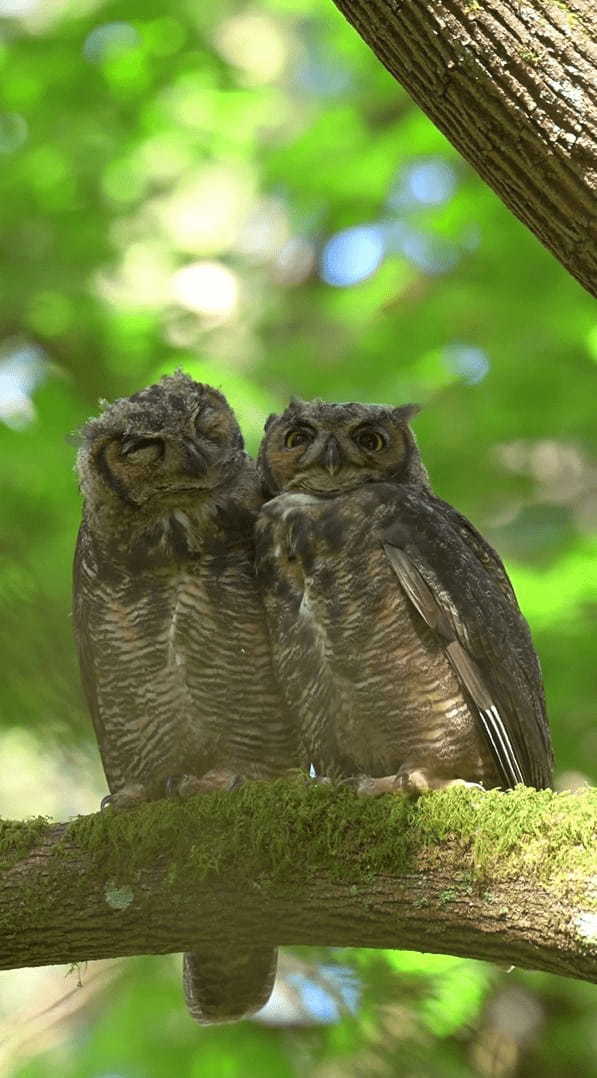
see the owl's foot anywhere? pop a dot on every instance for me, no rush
(126, 798)
(412, 782)
(185, 786)
(366, 786)
(409, 782)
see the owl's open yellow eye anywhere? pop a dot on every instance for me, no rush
(298, 436)
(371, 440)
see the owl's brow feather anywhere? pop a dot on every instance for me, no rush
(299, 410)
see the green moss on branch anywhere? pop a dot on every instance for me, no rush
(274, 830)
(18, 837)
(506, 877)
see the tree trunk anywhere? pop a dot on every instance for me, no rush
(504, 877)
(514, 87)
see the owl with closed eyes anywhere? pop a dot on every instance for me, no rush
(395, 631)
(170, 626)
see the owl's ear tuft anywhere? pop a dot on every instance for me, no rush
(269, 420)
(406, 412)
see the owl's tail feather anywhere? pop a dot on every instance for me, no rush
(225, 986)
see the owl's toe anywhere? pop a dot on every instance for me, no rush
(126, 798)
(222, 780)
(463, 782)
(412, 782)
(367, 786)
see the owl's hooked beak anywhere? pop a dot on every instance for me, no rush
(331, 458)
(196, 464)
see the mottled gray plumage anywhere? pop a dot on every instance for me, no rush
(395, 630)
(170, 627)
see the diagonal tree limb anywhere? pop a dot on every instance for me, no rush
(513, 85)
(503, 877)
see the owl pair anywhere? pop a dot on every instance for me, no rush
(379, 636)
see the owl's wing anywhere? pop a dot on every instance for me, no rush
(84, 569)
(460, 588)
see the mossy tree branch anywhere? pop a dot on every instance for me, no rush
(505, 877)
(513, 87)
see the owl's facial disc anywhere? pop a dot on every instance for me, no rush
(143, 468)
(337, 456)
(165, 447)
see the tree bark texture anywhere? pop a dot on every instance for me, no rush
(505, 877)
(513, 85)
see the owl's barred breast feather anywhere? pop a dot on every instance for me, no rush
(160, 703)
(372, 685)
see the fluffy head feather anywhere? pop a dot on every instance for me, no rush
(160, 446)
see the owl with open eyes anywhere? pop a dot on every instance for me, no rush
(170, 627)
(395, 632)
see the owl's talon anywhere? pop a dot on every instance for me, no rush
(367, 786)
(126, 798)
(412, 782)
(222, 780)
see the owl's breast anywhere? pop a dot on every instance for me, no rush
(372, 685)
(318, 548)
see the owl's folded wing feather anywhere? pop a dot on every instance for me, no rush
(83, 569)
(460, 588)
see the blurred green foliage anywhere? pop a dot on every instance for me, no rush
(243, 191)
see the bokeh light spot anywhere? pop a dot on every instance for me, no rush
(266, 230)
(108, 40)
(203, 214)
(425, 181)
(431, 182)
(352, 255)
(18, 7)
(472, 364)
(141, 280)
(207, 288)
(321, 74)
(428, 252)
(295, 262)
(22, 367)
(255, 43)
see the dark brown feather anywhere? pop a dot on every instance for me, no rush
(474, 598)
